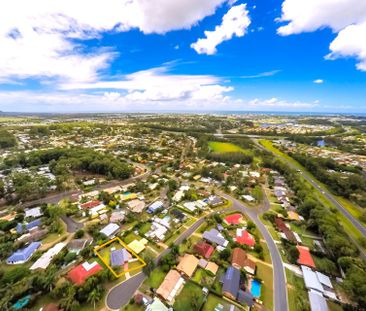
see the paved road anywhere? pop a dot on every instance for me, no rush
(279, 279)
(325, 193)
(121, 294)
(54, 199)
(72, 225)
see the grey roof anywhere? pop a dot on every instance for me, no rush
(246, 297)
(311, 280)
(317, 302)
(231, 281)
(213, 236)
(119, 257)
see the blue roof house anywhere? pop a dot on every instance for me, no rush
(231, 283)
(216, 237)
(119, 257)
(21, 228)
(24, 254)
(155, 206)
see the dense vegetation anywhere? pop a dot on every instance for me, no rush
(242, 157)
(61, 160)
(7, 139)
(351, 184)
(324, 221)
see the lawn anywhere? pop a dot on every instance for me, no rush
(144, 228)
(190, 298)
(130, 237)
(216, 146)
(213, 301)
(265, 273)
(156, 278)
(296, 291)
(202, 277)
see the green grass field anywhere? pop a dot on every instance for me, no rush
(265, 273)
(221, 147)
(213, 301)
(156, 278)
(297, 293)
(190, 298)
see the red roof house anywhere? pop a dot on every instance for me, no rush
(204, 249)
(245, 238)
(305, 257)
(80, 273)
(90, 204)
(234, 219)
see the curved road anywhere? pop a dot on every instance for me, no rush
(279, 278)
(323, 191)
(121, 294)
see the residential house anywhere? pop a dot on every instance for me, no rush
(20, 228)
(137, 246)
(33, 212)
(110, 230)
(247, 298)
(156, 305)
(117, 216)
(77, 245)
(243, 237)
(136, 206)
(215, 200)
(240, 260)
(212, 267)
(80, 273)
(119, 257)
(305, 258)
(204, 249)
(46, 258)
(234, 219)
(171, 286)
(317, 301)
(216, 237)
(155, 206)
(24, 254)
(281, 226)
(188, 265)
(231, 283)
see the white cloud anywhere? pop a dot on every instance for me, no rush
(37, 37)
(278, 103)
(345, 17)
(262, 74)
(318, 81)
(234, 23)
(157, 84)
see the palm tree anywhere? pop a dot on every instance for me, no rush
(94, 296)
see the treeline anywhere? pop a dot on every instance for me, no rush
(323, 221)
(7, 139)
(63, 160)
(351, 186)
(225, 157)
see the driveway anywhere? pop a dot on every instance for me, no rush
(117, 297)
(279, 279)
(72, 225)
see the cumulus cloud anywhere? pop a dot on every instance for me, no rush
(347, 18)
(318, 81)
(234, 23)
(157, 84)
(43, 38)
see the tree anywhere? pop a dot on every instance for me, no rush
(95, 295)
(225, 254)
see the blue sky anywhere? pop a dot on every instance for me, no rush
(140, 55)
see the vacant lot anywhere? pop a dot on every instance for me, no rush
(220, 147)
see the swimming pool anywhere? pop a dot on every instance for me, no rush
(22, 302)
(255, 288)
